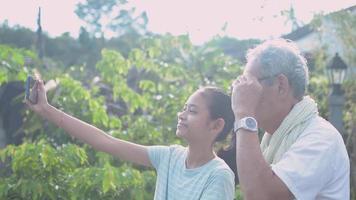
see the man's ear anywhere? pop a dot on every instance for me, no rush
(283, 85)
(218, 125)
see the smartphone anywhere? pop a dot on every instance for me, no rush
(30, 90)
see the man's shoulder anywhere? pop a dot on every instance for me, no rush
(318, 156)
(321, 129)
(321, 135)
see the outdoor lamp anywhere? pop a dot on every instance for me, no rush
(336, 72)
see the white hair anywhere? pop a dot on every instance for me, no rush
(282, 57)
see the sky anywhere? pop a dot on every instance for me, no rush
(201, 19)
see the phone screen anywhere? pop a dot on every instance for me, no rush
(30, 91)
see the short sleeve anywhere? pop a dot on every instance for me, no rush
(306, 167)
(157, 154)
(221, 187)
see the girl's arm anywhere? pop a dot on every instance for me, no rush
(87, 133)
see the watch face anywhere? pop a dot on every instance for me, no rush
(247, 123)
(251, 123)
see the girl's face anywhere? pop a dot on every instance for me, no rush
(194, 120)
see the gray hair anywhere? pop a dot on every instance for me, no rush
(282, 57)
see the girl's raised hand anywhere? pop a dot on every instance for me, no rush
(39, 90)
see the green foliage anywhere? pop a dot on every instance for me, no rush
(39, 171)
(350, 126)
(318, 86)
(238, 193)
(140, 84)
(65, 53)
(233, 47)
(136, 99)
(350, 107)
(343, 23)
(13, 64)
(111, 15)
(23, 37)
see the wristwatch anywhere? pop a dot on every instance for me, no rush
(247, 123)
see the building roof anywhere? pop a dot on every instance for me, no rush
(307, 29)
(299, 33)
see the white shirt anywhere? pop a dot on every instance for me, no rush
(317, 165)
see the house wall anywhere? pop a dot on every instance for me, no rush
(327, 39)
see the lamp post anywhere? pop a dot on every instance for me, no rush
(336, 72)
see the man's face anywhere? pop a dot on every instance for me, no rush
(268, 103)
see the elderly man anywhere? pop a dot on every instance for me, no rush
(301, 156)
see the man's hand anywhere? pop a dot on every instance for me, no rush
(246, 94)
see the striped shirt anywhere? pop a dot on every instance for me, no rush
(211, 181)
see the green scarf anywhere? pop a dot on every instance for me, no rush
(274, 145)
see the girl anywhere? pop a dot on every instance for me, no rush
(192, 172)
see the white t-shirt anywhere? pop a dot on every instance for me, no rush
(317, 165)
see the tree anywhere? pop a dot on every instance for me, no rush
(17, 36)
(345, 21)
(342, 28)
(233, 47)
(51, 165)
(111, 15)
(291, 18)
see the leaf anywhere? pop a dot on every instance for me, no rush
(3, 76)
(147, 85)
(115, 123)
(108, 179)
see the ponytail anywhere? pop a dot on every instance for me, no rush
(229, 156)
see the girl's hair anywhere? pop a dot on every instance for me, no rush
(219, 105)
